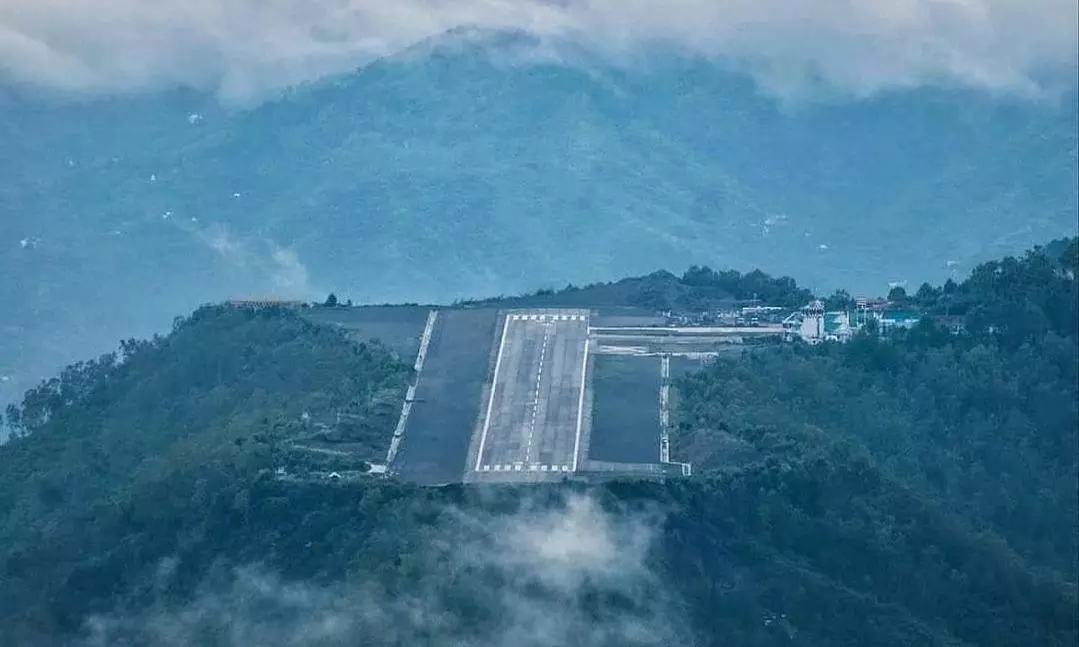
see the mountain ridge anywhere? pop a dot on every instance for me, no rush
(451, 176)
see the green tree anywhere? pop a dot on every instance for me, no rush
(927, 295)
(840, 300)
(12, 420)
(897, 294)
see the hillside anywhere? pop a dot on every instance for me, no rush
(917, 489)
(227, 392)
(446, 174)
(987, 423)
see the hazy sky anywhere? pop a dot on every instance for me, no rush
(245, 47)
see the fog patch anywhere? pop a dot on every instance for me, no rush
(543, 576)
(289, 274)
(567, 547)
(277, 267)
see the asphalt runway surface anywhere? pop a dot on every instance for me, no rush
(625, 409)
(397, 327)
(434, 448)
(533, 418)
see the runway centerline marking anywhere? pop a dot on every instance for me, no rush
(536, 394)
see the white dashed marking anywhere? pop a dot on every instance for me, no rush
(536, 395)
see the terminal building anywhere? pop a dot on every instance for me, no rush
(813, 324)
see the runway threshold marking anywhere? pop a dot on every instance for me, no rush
(491, 399)
(532, 467)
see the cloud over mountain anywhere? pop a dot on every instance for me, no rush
(245, 48)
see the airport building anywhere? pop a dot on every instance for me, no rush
(812, 324)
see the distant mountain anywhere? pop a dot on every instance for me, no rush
(450, 172)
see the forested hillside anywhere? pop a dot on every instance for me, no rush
(220, 395)
(913, 490)
(985, 424)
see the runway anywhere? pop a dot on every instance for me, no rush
(532, 422)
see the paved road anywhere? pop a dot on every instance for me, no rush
(533, 420)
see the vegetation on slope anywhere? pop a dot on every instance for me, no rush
(976, 432)
(901, 491)
(229, 390)
(699, 288)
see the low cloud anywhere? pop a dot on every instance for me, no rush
(288, 273)
(244, 49)
(277, 268)
(546, 577)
